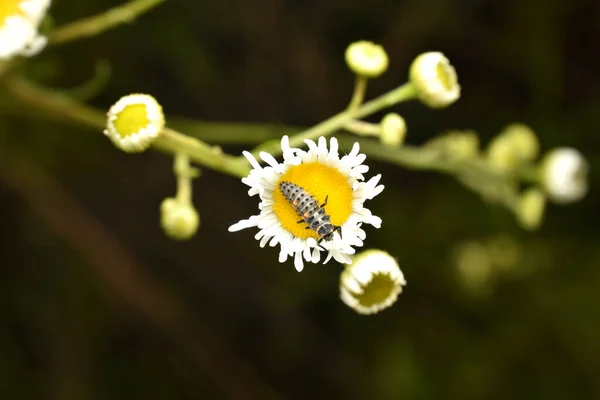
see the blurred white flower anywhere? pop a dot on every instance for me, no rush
(564, 175)
(19, 22)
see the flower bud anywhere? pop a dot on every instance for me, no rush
(456, 145)
(179, 220)
(531, 208)
(366, 59)
(435, 80)
(564, 175)
(393, 130)
(503, 155)
(515, 145)
(134, 122)
(523, 140)
(372, 282)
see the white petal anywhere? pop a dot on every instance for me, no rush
(282, 256)
(263, 241)
(252, 160)
(316, 255)
(312, 146)
(243, 224)
(307, 253)
(298, 262)
(355, 150)
(333, 148)
(269, 159)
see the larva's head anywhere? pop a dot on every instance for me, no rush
(328, 237)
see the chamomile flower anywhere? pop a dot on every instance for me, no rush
(372, 282)
(322, 174)
(19, 21)
(134, 122)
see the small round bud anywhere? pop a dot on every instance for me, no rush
(19, 22)
(180, 221)
(503, 155)
(524, 141)
(457, 145)
(393, 130)
(366, 59)
(434, 79)
(515, 145)
(564, 175)
(531, 208)
(372, 282)
(134, 122)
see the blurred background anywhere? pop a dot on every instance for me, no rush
(96, 303)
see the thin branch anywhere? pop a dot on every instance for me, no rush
(96, 24)
(169, 141)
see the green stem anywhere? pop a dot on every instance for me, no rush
(96, 24)
(209, 156)
(331, 125)
(362, 128)
(360, 88)
(530, 173)
(474, 173)
(184, 173)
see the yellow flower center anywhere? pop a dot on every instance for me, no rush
(446, 74)
(320, 181)
(9, 8)
(377, 291)
(132, 119)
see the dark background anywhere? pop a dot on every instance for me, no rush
(95, 303)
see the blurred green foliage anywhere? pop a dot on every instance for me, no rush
(218, 317)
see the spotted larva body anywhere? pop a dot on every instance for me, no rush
(308, 208)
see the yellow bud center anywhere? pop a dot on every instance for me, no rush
(377, 291)
(447, 75)
(9, 8)
(132, 119)
(320, 181)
